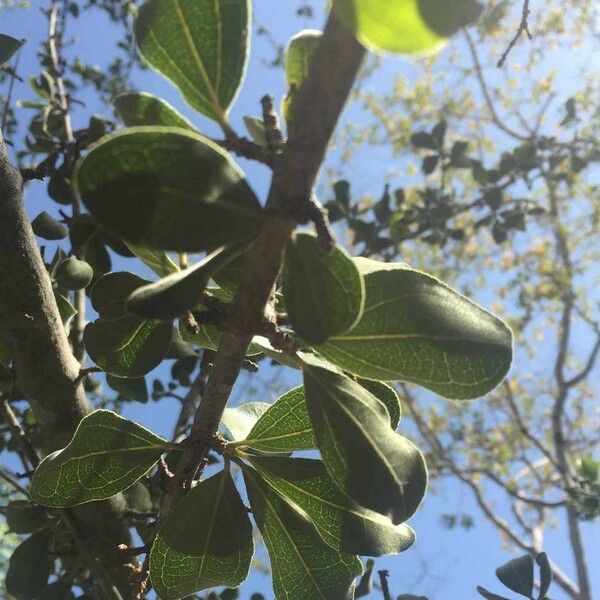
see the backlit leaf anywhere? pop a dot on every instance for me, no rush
(405, 26)
(127, 347)
(343, 524)
(324, 292)
(157, 260)
(303, 566)
(106, 455)
(173, 295)
(369, 462)
(167, 189)
(284, 427)
(387, 395)
(200, 45)
(206, 541)
(241, 419)
(141, 108)
(415, 328)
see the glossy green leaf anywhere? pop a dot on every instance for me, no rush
(343, 524)
(324, 292)
(106, 455)
(73, 274)
(167, 189)
(298, 57)
(127, 347)
(129, 388)
(110, 292)
(407, 26)
(387, 394)
(141, 108)
(284, 427)
(379, 469)
(173, 295)
(517, 575)
(29, 567)
(241, 419)
(206, 541)
(202, 46)
(415, 328)
(157, 260)
(8, 47)
(303, 566)
(48, 228)
(208, 337)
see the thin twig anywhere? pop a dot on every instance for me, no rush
(385, 588)
(523, 29)
(11, 85)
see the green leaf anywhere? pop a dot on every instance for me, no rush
(365, 583)
(73, 274)
(110, 292)
(66, 310)
(517, 575)
(202, 46)
(129, 388)
(414, 328)
(379, 469)
(48, 228)
(127, 347)
(25, 517)
(8, 47)
(489, 595)
(208, 337)
(175, 294)
(157, 260)
(167, 189)
(343, 524)
(29, 567)
(206, 541)
(141, 108)
(256, 128)
(298, 57)
(303, 566)
(545, 573)
(324, 292)
(387, 395)
(106, 455)
(408, 26)
(241, 419)
(284, 427)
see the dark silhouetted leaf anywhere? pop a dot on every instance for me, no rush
(29, 567)
(324, 292)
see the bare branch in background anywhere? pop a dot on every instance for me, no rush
(523, 29)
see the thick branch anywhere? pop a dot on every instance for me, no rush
(46, 369)
(320, 102)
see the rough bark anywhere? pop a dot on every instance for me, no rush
(46, 370)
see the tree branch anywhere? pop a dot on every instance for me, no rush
(46, 370)
(523, 29)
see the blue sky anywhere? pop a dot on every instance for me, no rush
(444, 565)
